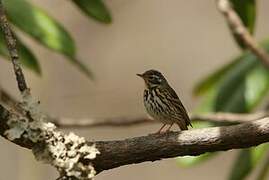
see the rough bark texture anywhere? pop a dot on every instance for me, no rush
(5, 116)
(192, 142)
(11, 45)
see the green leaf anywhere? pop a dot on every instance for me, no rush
(244, 87)
(35, 22)
(242, 165)
(239, 87)
(232, 88)
(46, 30)
(83, 68)
(95, 9)
(246, 9)
(246, 160)
(264, 170)
(212, 79)
(241, 90)
(27, 58)
(188, 161)
(257, 83)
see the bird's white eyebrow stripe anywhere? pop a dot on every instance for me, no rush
(155, 76)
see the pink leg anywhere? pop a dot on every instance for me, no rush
(159, 132)
(169, 128)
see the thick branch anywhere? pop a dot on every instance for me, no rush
(156, 147)
(75, 158)
(11, 46)
(5, 116)
(241, 31)
(192, 142)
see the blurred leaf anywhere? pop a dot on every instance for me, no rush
(46, 30)
(188, 161)
(258, 152)
(242, 165)
(212, 79)
(95, 9)
(237, 87)
(257, 83)
(246, 160)
(83, 68)
(264, 170)
(35, 22)
(244, 87)
(27, 58)
(232, 88)
(246, 9)
(208, 101)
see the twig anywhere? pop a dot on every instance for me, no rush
(91, 122)
(223, 118)
(241, 31)
(75, 158)
(229, 118)
(11, 46)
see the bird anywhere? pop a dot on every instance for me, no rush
(162, 103)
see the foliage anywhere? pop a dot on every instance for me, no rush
(239, 86)
(47, 31)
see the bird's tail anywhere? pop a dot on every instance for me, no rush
(182, 126)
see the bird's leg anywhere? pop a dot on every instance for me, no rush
(167, 130)
(159, 132)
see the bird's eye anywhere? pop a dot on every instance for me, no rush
(155, 79)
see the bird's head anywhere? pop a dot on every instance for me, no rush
(153, 78)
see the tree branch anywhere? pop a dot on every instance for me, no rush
(156, 147)
(28, 127)
(223, 118)
(11, 46)
(241, 31)
(220, 118)
(192, 142)
(75, 158)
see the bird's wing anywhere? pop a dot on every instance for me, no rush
(172, 97)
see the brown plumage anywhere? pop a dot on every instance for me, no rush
(162, 102)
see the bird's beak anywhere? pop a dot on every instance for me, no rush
(140, 75)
